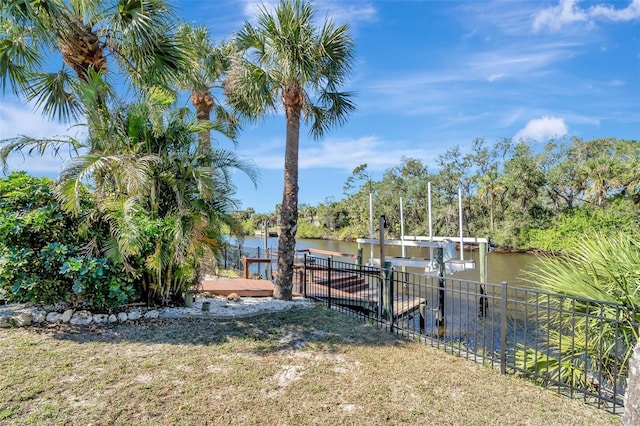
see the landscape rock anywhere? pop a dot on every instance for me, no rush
(100, 318)
(81, 318)
(233, 297)
(22, 319)
(151, 314)
(134, 315)
(39, 316)
(22, 314)
(5, 321)
(66, 315)
(54, 317)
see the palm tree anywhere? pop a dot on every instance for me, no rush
(139, 36)
(288, 59)
(207, 67)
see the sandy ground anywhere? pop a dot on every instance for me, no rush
(222, 307)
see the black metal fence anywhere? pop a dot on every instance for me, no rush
(578, 347)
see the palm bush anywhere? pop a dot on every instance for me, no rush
(596, 326)
(161, 202)
(164, 201)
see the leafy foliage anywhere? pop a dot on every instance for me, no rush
(602, 278)
(162, 201)
(42, 256)
(134, 40)
(520, 197)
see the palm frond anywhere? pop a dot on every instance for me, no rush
(52, 92)
(35, 147)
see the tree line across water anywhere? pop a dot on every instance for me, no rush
(524, 195)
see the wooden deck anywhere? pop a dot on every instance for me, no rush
(349, 288)
(243, 287)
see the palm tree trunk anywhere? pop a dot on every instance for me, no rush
(292, 100)
(203, 103)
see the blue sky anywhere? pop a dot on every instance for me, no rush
(429, 75)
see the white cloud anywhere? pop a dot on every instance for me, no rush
(338, 11)
(543, 128)
(252, 8)
(23, 120)
(569, 11)
(629, 13)
(344, 154)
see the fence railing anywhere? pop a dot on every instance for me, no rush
(578, 347)
(230, 258)
(575, 346)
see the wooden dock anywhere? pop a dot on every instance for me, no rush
(243, 287)
(351, 290)
(357, 288)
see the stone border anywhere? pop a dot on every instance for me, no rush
(233, 306)
(22, 315)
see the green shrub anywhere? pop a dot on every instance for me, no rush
(567, 229)
(41, 252)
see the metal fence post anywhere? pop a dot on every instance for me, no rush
(329, 263)
(379, 310)
(225, 257)
(304, 277)
(503, 328)
(390, 299)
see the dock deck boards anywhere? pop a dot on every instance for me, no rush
(368, 299)
(243, 287)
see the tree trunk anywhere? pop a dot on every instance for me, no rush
(203, 103)
(80, 46)
(292, 99)
(631, 414)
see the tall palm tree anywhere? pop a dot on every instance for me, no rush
(288, 59)
(89, 36)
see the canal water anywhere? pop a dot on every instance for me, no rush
(507, 267)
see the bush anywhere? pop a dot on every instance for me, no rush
(568, 228)
(41, 252)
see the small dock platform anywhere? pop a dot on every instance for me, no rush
(243, 287)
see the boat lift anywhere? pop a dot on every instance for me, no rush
(430, 265)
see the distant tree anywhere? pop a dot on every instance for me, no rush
(564, 165)
(289, 60)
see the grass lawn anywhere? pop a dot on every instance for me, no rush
(299, 367)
